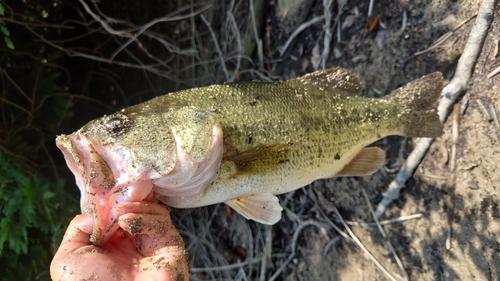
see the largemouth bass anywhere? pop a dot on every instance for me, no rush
(242, 143)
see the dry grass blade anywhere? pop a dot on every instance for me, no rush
(328, 31)
(404, 22)
(260, 50)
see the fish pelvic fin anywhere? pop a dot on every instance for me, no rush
(416, 101)
(260, 207)
(366, 162)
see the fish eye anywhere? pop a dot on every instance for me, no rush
(118, 125)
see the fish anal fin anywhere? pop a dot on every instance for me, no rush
(261, 159)
(366, 162)
(340, 79)
(260, 207)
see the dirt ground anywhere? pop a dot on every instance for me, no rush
(384, 59)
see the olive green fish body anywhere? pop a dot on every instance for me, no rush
(242, 143)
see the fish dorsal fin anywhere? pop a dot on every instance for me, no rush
(260, 159)
(260, 207)
(366, 162)
(340, 79)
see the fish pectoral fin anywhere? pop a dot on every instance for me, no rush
(260, 207)
(366, 162)
(261, 159)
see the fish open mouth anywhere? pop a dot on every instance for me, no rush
(98, 186)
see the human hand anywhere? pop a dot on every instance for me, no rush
(147, 246)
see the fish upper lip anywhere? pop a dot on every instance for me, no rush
(74, 147)
(73, 160)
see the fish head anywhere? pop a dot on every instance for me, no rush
(126, 156)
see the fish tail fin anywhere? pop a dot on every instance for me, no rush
(417, 112)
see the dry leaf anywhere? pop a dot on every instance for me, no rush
(349, 20)
(470, 184)
(373, 23)
(449, 19)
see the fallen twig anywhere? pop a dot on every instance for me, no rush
(493, 73)
(386, 222)
(268, 250)
(449, 95)
(451, 185)
(444, 37)
(370, 8)
(494, 114)
(483, 109)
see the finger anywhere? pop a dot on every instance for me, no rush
(140, 208)
(160, 243)
(158, 227)
(77, 236)
(154, 233)
(79, 231)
